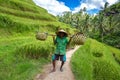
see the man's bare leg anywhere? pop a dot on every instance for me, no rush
(54, 65)
(62, 63)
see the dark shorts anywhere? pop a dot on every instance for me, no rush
(57, 57)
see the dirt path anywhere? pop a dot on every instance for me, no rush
(58, 75)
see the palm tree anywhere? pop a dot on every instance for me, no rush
(101, 20)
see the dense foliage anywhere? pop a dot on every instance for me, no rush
(104, 26)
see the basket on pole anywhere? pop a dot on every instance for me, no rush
(78, 38)
(41, 36)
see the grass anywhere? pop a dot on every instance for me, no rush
(34, 50)
(115, 53)
(14, 65)
(24, 16)
(18, 24)
(95, 61)
(22, 57)
(22, 5)
(82, 63)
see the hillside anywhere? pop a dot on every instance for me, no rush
(21, 55)
(96, 61)
(23, 15)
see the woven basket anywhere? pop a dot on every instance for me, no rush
(78, 39)
(41, 36)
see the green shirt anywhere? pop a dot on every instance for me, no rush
(61, 44)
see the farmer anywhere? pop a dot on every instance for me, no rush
(61, 43)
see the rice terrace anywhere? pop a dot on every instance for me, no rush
(27, 46)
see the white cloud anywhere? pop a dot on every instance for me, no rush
(93, 4)
(53, 6)
(88, 7)
(111, 1)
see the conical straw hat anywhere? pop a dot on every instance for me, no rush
(62, 31)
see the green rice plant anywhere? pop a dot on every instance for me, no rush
(97, 54)
(82, 62)
(36, 50)
(22, 5)
(7, 23)
(104, 70)
(116, 53)
(15, 67)
(27, 14)
(18, 24)
(95, 61)
(117, 58)
(4, 20)
(107, 67)
(21, 55)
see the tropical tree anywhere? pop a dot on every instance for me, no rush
(105, 26)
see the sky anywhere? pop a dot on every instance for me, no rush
(57, 7)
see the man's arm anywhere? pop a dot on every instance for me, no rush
(68, 43)
(69, 40)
